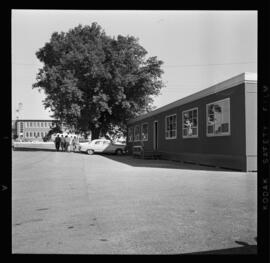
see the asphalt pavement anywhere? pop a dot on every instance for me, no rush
(72, 203)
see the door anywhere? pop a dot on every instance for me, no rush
(155, 137)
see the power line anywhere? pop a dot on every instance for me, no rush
(206, 65)
(167, 66)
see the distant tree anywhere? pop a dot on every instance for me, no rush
(96, 82)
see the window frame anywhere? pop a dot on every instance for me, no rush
(167, 116)
(221, 134)
(193, 136)
(144, 140)
(139, 133)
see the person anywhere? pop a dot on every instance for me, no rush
(57, 142)
(75, 144)
(67, 140)
(71, 143)
(62, 143)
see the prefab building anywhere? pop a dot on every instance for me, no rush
(214, 127)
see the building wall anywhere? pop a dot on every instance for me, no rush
(33, 128)
(223, 151)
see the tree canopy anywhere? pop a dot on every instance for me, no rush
(96, 82)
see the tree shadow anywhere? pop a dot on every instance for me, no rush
(158, 163)
(25, 149)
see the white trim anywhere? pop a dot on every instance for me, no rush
(245, 77)
(144, 140)
(223, 134)
(193, 136)
(174, 137)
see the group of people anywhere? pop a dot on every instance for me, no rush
(66, 143)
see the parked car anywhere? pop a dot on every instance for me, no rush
(102, 146)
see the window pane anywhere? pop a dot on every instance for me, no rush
(225, 127)
(210, 129)
(194, 131)
(217, 128)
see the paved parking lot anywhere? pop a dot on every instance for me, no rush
(72, 203)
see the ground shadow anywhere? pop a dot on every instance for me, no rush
(34, 150)
(251, 249)
(168, 164)
(140, 162)
(245, 249)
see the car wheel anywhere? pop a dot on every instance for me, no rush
(118, 152)
(90, 152)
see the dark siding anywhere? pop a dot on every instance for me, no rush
(224, 145)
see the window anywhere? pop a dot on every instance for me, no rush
(130, 134)
(26, 134)
(98, 142)
(190, 123)
(34, 134)
(145, 132)
(30, 134)
(218, 118)
(37, 134)
(38, 124)
(41, 124)
(30, 124)
(21, 127)
(170, 127)
(45, 124)
(136, 133)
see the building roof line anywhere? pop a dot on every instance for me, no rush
(246, 77)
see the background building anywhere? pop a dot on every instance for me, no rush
(33, 129)
(216, 126)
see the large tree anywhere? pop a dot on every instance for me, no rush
(96, 82)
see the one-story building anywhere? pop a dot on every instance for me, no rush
(214, 127)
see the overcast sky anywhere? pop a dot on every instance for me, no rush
(199, 48)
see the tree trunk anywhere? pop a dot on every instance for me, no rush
(95, 134)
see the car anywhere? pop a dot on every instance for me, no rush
(102, 146)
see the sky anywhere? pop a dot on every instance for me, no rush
(199, 48)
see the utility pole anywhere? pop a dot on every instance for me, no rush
(18, 110)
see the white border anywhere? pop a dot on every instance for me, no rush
(193, 136)
(170, 138)
(223, 134)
